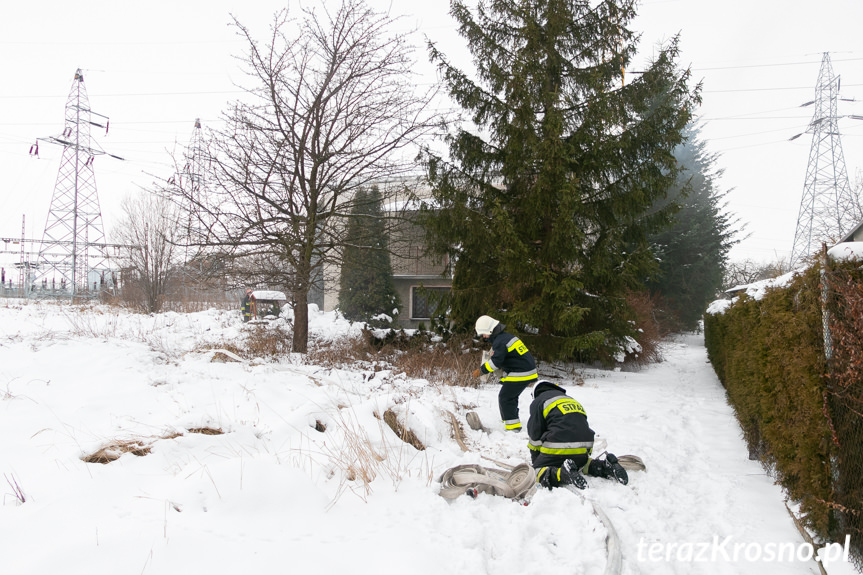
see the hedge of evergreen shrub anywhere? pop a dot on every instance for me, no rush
(769, 353)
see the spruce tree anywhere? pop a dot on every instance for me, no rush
(544, 202)
(366, 288)
(693, 252)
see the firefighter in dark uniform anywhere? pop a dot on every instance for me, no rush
(249, 306)
(511, 356)
(561, 441)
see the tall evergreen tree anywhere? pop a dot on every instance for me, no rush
(693, 252)
(366, 285)
(545, 201)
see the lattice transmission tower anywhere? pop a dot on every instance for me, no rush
(193, 179)
(73, 251)
(827, 209)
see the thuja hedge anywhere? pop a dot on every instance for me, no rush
(845, 399)
(769, 355)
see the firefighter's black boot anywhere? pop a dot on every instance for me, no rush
(543, 476)
(569, 474)
(608, 468)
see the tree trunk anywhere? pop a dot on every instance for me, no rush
(301, 321)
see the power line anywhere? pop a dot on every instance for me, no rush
(141, 43)
(134, 94)
(749, 118)
(114, 125)
(742, 66)
(786, 130)
(768, 89)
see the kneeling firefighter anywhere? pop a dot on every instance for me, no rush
(561, 441)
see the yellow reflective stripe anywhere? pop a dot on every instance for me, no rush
(565, 444)
(540, 473)
(515, 425)
(566, 405)
(563, 451)
(519, 377)
(517, 345)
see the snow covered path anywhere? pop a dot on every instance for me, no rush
(700, 486)
(274, 495)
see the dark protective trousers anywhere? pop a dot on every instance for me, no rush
(507, 401)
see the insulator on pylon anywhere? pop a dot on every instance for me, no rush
(34, 149)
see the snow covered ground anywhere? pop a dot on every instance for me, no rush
(273, 494)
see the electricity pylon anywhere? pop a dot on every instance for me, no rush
(73, 248)
(827, 208)
(192, 179)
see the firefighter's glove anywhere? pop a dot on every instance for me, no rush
(476, 373)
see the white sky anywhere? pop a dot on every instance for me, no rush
(154, 67)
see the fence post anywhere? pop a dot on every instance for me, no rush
(825, 313)
(839, 516)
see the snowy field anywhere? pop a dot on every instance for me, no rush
(275, 494)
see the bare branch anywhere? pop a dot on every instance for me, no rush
(329, 109)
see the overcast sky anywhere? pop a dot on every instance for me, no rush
(154, 67)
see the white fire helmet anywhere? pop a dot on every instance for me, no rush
(485, 324)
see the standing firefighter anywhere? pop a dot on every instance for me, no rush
(561, 441)
(510, 355)
(249, 306)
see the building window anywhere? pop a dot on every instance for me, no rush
(424, 300)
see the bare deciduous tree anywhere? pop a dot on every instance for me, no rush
(330, 108)
(857, 204)
(150, 225)
(745, 272)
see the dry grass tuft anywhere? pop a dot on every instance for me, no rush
(405, 434)
(358, 457)
(206, 431)
(17, 492)
(419, 356)
(450, 362)
(226, 356)
(272, 340)
(340, 352)
(114, 451)
(139, 447)
(260, 340)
